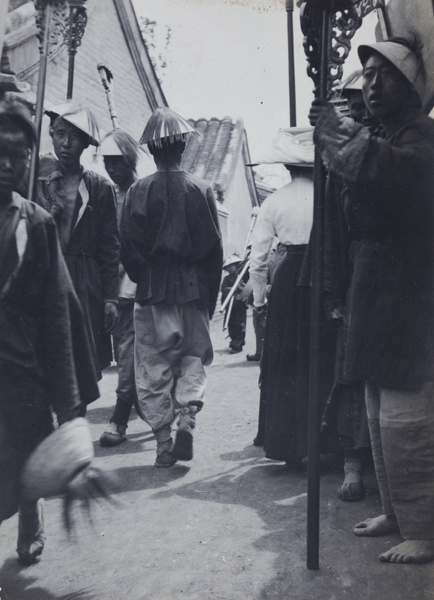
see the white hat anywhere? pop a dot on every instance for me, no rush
(402, 57)
(79, 116)
(56, 460)
(109, 147)
(353, 83)
(166, 124)
(233, 259)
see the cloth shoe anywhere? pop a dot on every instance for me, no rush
(164, 458)
(113, 435)
(253, 357)
(183, 446)
(31, 535)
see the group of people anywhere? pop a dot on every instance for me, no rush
(144, 262)
(85, 260)
(378, 292)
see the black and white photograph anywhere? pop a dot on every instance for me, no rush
(217, 300)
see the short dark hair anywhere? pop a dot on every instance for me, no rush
(166, 150)
(128, 146)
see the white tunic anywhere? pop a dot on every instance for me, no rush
(286, 214)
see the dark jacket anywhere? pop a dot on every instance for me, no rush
(45, 361)
(390, 212)
(171, 243)
(92, 253)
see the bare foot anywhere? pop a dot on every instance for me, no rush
(410, 551)
(377, 526)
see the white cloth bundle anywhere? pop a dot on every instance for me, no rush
(293, 145)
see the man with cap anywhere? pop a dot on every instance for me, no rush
(238, 315)
(389, 333)
(38, 344)
(83, 205)
(120, 153)
(171, 247)
(345, 407)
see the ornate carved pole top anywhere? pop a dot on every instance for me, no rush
(345, 19)
(77, 22)
(59, 16)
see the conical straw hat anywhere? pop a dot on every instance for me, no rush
(79, 116)
(119, 143)
(166, 124)
(57, 460)
(109, 147)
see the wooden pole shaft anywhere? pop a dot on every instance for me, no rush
(291, 67)
(40, 95)
(71, 61)
(313, 474)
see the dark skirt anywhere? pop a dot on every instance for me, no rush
(285, 363)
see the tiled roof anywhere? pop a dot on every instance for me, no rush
(212, 155)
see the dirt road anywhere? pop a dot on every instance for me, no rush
(230, 525)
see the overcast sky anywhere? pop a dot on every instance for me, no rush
(229, 58)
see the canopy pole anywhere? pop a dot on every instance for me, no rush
(73, 35)
(291, 68)
(313, 473)
(40, 94)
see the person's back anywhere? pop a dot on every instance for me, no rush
(171, 247)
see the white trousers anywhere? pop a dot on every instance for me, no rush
(172, 345)
(401, 425)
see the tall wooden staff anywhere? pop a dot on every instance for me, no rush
(291, 68)
(44, 13)
(52, 20)
(322, 22)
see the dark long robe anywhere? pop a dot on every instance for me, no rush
(38, 370)
(390, 211)
(92, 250)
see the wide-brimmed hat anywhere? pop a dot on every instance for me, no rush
(79, 116)
(402, 57)
(56, 460)
(353, 83)
(291, 146)
(165, 124)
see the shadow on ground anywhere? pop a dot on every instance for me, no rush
(21, 586)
